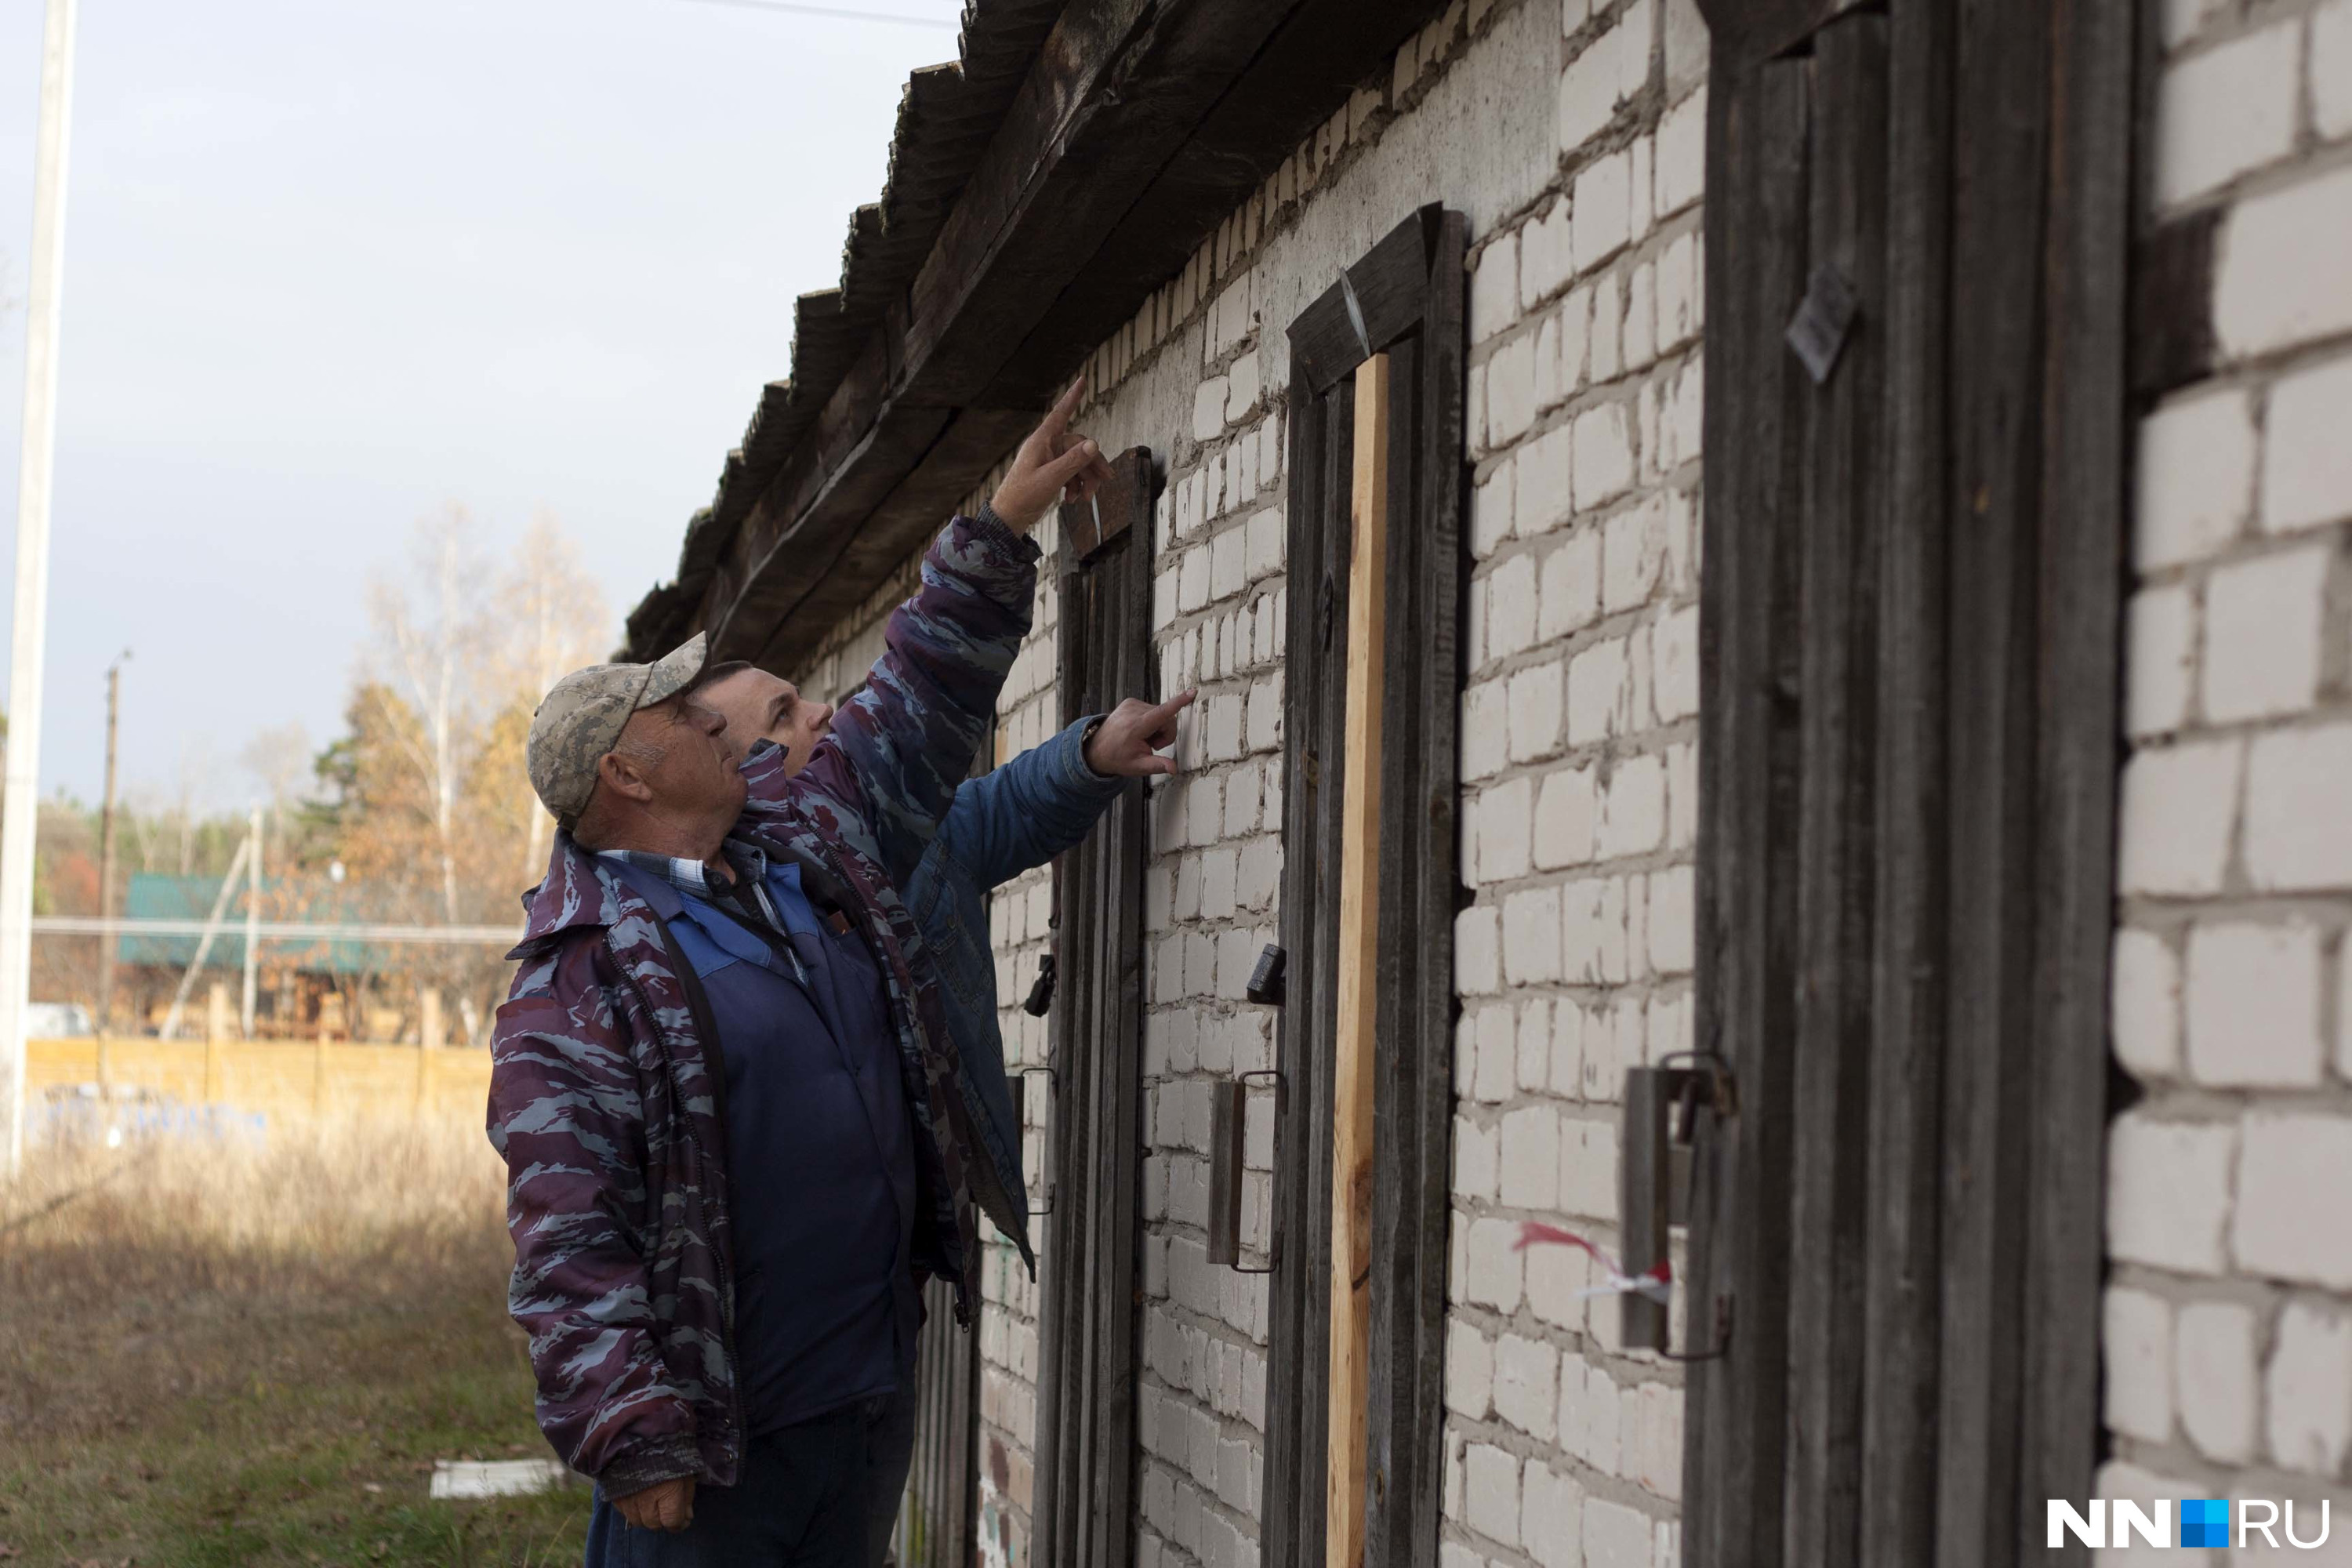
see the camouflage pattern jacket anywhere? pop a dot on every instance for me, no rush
(606, 1101)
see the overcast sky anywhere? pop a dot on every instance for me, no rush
(331, 266)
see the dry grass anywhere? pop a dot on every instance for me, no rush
(241, 1354)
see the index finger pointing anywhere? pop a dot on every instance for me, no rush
(1178, 703)
(1058, 419)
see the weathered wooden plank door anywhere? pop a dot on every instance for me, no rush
(1090, 1269)
(938, 1514)
(1402, 302)
(1917, 221)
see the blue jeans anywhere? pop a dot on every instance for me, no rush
(803, 1499)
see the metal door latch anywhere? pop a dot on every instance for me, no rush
(1041, 994)
(1661, 1121)
(1268, 986)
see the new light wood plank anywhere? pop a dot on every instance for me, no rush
(1358, 951)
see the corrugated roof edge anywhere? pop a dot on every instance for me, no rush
(947, 116)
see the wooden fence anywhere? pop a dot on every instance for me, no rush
(279, 1080)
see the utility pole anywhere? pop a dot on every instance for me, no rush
(106, 848)
(20, 812)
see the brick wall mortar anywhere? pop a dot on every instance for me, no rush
(2228, 1338)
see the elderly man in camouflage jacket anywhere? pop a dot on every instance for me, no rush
(722, 1081)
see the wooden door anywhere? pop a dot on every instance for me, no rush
(1090, 1274)
(1353, 1473)
(1917, 216)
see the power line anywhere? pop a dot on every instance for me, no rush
(836, 13)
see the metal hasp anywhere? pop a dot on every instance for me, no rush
(1266, 986)
(1041, 994)
(1228, 1139)
(1661, 1111)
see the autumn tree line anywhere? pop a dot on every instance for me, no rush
(418, 813)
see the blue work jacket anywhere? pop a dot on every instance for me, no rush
(1003, 823)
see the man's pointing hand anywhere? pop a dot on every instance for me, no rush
(1126, 745)
(1055, 463)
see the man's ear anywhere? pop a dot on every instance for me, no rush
(625, 777)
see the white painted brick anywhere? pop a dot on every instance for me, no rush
(1592, 916)
(2275, 287)
(2253, 1005)
(1495, 288)
(2179, 805)
(1266, 713)
(1655, 1452)
(2196, 475)
(1490, 512)
(1603, 214)
(1485, 729)
(1603, 461)
(1673, 657)
(1476, 1172)
(1496, 1076)
(2146, 983)
(1678, 286)
(1589, 92)
(1535, 712)
(1534, 1044)
(2169, 1191)
(2307, 461)
(1511, 390)
(1587, 1168)
(1208, 408)
(2299, 828)
(2213, 1350)
(1221, 738)
(1266, 543)
(2263, 621)
(1531, 1158)
(1633, 809)
(1608, 321)
(1615, 1536)
(1643, 217)
(1526, 1383)
(1193, 582)
(2292, 1167)
(1492, 1271)
(2343, 1016)
(1492, 1493)
(1599, 694)
(1564, 820)
(1682, 155)
(1575, 340)
(1469, 1370)
(1682, 796)
(1570, 586)
(2136, 1338)
(2331, 69)
(2310, 1387)
(1511, 607)
(1229, 562)
(1545, 261)
(1632, 551)
(1242, 400)
(1556, 1276)
(1551, 1517)
(1641, 331)
(1543, 499)
(1548, 390)
(1218, 869)
(2161, 662)
(1477, 951)
(1531, 936)
(1241, 800)
(1672, 922)
(2226, 110)
(1504, 814)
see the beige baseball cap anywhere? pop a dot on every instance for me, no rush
(582, 717)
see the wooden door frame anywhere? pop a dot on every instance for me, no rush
(1087, 1331)
(1405, 299)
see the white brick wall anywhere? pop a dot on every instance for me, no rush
(1573, 137)
(1579, 731)
(2228, 1318)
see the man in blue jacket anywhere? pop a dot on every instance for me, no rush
(1000, 825)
